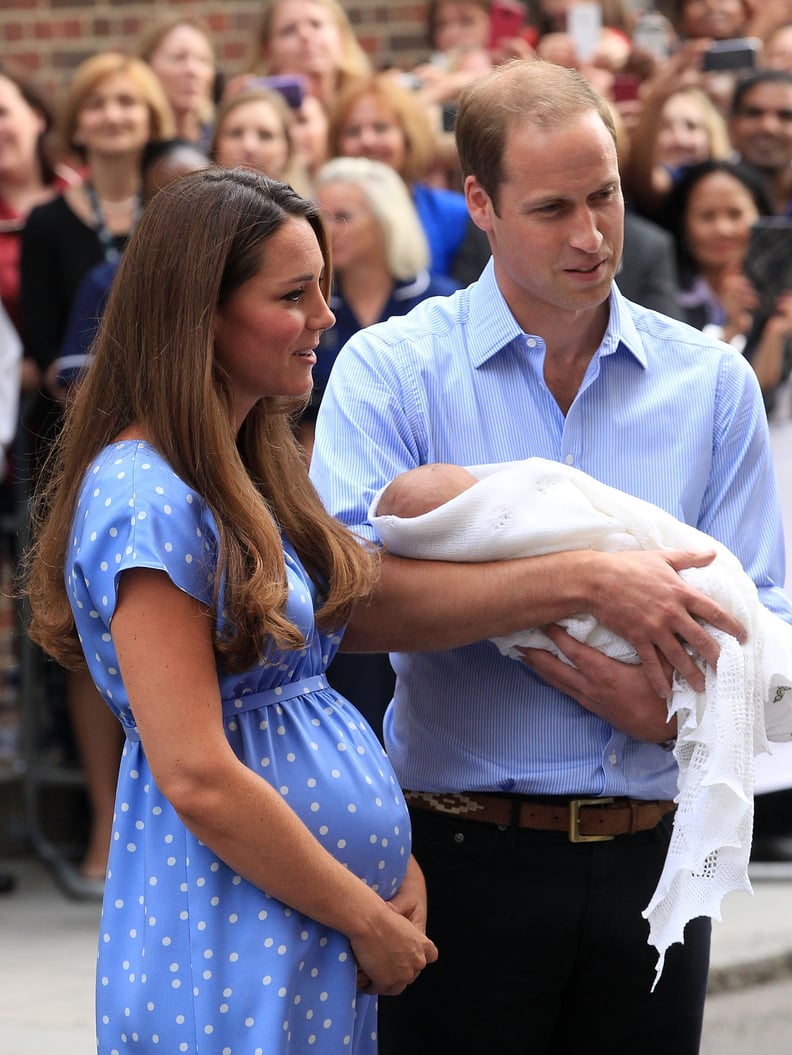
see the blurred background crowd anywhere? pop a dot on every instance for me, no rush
(701, 92)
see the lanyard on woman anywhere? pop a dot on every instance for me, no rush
(106, 239)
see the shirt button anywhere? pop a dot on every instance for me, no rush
(614, 758)
(531, 342)
(459, 837)
(569, 459)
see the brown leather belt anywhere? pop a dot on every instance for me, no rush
(584, 820)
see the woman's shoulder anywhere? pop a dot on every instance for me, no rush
(54, 209)
(133, 472)
(138, 455)
(58, 216)
(130, 485)
(411, 292)
(135, 511)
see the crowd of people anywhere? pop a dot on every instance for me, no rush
(184, 252)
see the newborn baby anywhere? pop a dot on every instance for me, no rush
(419, 491)
(520, 509)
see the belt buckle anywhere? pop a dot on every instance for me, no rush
(574, 821)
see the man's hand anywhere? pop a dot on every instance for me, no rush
(641, 597)
(617, 692)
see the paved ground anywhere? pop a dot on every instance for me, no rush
(756, 1020)
(47, 956)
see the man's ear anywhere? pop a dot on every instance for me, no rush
(479, 204)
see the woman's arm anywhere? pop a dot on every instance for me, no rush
(163, 639)
(646, 182)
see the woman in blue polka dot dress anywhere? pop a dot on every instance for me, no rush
(260, 889)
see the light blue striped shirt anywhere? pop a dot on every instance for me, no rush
(663, 413)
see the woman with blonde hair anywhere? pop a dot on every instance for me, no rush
(180, 51)
(380, 252)
(678, 125)
(254, 129)
(114, 106)
(313, 39)
(380, 119)
(260, 889)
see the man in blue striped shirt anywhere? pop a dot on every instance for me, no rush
(535, 891)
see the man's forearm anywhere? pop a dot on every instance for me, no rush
(422, 606)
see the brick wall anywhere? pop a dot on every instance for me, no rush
(48, 38)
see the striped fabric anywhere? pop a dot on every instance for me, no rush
(663, 413)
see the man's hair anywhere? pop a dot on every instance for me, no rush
(751, 80)
(515, 94)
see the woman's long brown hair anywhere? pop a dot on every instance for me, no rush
(154, 367)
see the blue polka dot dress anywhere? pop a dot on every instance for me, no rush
(193, 958)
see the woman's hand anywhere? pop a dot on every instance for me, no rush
(409, 902)
(410, 899)
(391, 952)
(767, 358)
(740, 300)
(680, 70)
(30, 376)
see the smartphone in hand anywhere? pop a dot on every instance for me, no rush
(626, 87)
(507, 18)
(291, 86)
(584, 25)
(728, 56)
(768, 262)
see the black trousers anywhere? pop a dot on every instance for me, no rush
(543, 949)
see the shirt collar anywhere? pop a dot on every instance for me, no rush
(492, 326)
(622, 331)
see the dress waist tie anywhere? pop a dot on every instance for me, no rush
(252, 701)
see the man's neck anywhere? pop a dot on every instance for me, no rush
(569, 350)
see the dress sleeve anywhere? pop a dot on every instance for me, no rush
(134, 512)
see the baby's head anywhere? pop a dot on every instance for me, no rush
(419, 490)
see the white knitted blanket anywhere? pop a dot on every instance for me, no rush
(537, 506)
